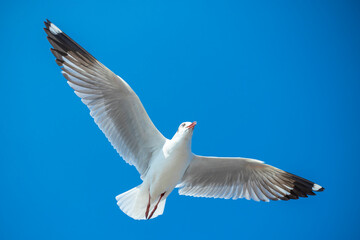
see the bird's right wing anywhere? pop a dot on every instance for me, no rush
(114, 106)
(242, 178)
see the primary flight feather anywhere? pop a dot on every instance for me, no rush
(163, 163)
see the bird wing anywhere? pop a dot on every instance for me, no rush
(242, 178)
(115, 107)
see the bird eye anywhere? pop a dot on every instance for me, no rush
(183, 125)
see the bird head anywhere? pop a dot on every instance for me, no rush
(186, 129)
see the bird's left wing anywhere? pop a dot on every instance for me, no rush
(114, 106)
(242, 178)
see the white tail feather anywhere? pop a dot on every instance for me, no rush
(134, 203)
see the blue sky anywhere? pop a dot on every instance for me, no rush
(277, 81)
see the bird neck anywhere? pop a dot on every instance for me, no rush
(180, 142)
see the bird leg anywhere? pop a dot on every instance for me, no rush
(156, 205)
(147, 208)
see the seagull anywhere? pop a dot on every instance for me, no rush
(164, 164)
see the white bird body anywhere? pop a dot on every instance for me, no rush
(168, 167)
(163, 164)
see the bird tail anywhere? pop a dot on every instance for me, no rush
(135, 201)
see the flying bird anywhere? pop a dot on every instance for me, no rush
(163, 164)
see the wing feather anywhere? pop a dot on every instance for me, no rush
(242, 178)
(114, 106)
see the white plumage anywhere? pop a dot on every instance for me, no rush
(163, 164)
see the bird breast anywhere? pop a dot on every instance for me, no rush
(168, 167)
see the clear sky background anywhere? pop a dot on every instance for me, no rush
(277, 81)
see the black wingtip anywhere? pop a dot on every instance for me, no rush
(47, 24)
(59, 62)
(301, 188)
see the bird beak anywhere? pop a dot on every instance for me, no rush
(192, 125)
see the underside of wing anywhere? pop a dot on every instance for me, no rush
(242, 178)
(114, 106)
